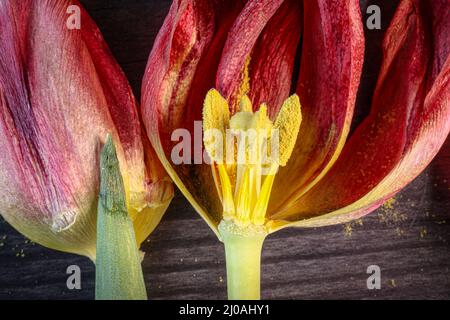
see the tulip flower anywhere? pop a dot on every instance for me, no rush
(61, 94)
(231, 64)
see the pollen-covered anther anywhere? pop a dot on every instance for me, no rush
(258, 148)
(288, 124)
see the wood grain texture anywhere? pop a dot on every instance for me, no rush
(408, 238)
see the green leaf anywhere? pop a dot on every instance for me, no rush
(118, 263)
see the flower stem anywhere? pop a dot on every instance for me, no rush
(118, 262)
(243, 247)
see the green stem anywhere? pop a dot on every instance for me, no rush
(243, 247)
(118, 262)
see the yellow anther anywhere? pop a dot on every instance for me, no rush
(216, 113)
(216, 116)
(288, 124)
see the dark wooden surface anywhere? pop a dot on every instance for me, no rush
(408, 237)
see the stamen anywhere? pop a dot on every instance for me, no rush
(243, 199)
(245, 185)
(227, 194)
(259, 213)
(216, 116)
(288, 123)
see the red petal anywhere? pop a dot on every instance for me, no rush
(45, 69)
(117, 91)
(240, 43)
(273, 57)
(330, 71)
(407, 124)
(61, 93)
(123, 111)
(179, 46)
(181, 69)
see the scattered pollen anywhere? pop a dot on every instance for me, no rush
(391, 217)
(349, 226)
(348, 229)
(392, 283)
(390, 203)
(423, 232)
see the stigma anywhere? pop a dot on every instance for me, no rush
(246, 150)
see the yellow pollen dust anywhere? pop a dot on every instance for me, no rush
(247, 150)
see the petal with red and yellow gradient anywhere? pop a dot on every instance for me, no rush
(185, 63)
(184, 59)
(331, 64)
(408, 123)
(61, 94)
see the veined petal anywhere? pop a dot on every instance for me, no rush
(273, 57)
(181, 69)
(61, 93)
(141, 176)
(330, 71)
(406, 128)
(159, 193)
(216, 116)
(264, 39)
(241, 40)
(288, 123)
